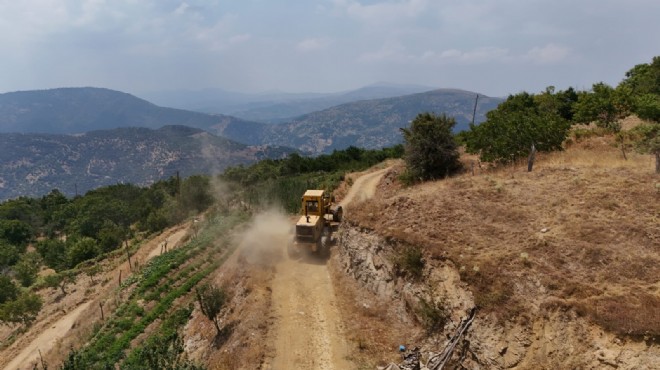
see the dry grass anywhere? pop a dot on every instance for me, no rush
(582, 228)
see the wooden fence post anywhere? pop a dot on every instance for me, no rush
(530, 159)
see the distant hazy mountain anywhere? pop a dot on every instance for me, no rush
(33, 164)
(367, 123)
(220, 101)
(76, 110)
(274, 107)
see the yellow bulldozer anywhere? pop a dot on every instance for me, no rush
(320, 216)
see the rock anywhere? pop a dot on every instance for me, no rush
(607, 358)
(545, 230)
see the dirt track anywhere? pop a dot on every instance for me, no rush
(364, 187)
(47, 339)
(308, 332)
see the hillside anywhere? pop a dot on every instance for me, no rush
(368, 123)
(562, 264)
(33, 164)
(77, 110)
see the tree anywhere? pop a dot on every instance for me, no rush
(430, 149)
(22, 209)
(81, 250)
(9, 254)
(15, 231)
(156, 221)
(27, 268)
(647, 140)
(513, 128)
(24, 309)
(196, 194)
(110, 236)
(60, 280)
(561, 102)
(50, 204)
(8, 290)
(647, 107)
(211, 301)
(644, 78)
(604, 105)
(54, 253)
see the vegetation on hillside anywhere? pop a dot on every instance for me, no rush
(522, 121)
(282, 182)
(71, 235)
(158, 285)
(68, 233)
(34, 164)
(525, 122)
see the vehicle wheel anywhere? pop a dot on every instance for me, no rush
(337, 214)
(291, 250)
(324, 252)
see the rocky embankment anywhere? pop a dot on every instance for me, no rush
(544, 338)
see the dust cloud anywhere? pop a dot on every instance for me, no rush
(264, 241)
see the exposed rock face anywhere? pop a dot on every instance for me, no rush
(551, 338)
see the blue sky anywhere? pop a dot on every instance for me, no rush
(488, 46)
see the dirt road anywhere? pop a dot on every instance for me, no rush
(363, 188)
(47, 339)
(308, 332)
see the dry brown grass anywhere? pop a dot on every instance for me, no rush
(635, 314)
(582, 228)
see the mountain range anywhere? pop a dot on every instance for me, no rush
(82, 138)
(34, 164)
(274, 106)
(366, 123)
(77, 110)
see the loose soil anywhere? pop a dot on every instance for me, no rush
(308, 332)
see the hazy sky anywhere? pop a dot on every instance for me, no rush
(494, 47)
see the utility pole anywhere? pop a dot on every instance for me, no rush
(474, 112)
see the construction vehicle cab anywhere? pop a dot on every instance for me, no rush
(319, 218)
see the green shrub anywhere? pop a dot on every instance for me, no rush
(433, 314)
(411, 260)
(430, 149)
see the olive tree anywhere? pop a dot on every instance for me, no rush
(211, 301)
(24, 309)
(604, 105)
(430, 149)
(513, 129)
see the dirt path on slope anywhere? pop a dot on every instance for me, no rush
(77, 305)
(363, 188)
(308, 332)
(48, 338)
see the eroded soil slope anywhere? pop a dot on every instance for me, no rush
(563, 263)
